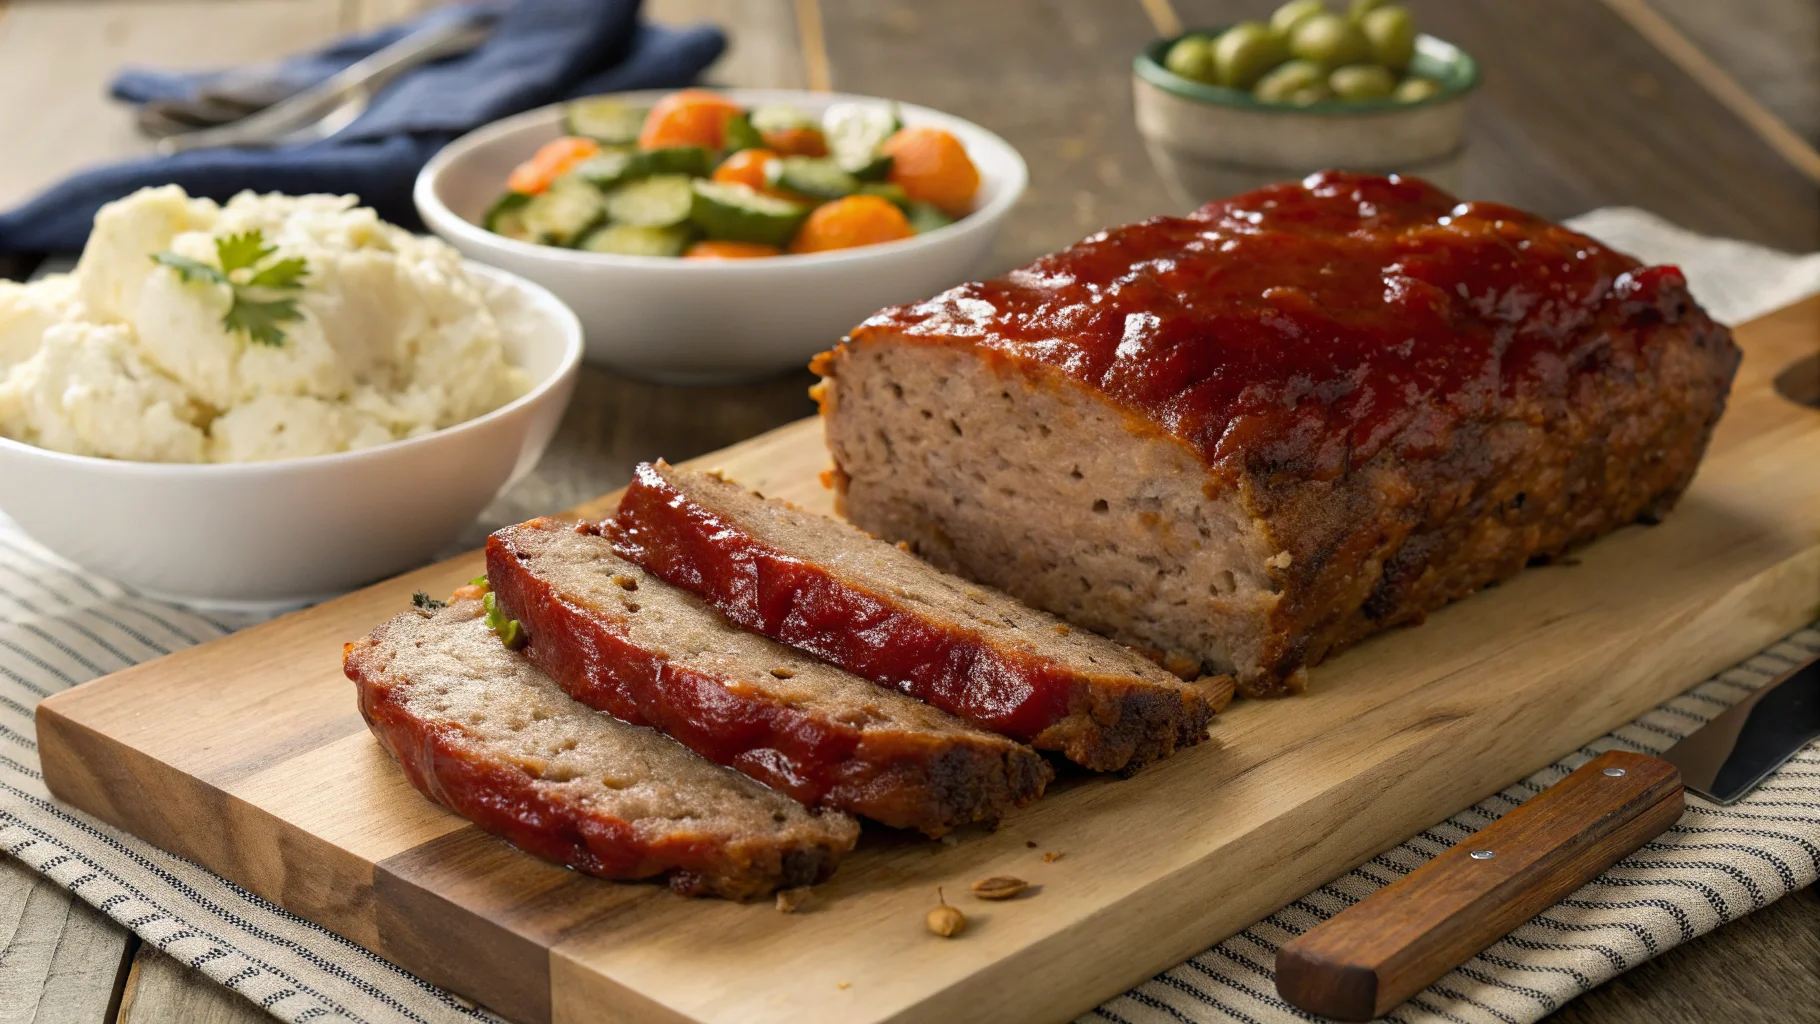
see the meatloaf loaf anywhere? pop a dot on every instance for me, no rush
(880, 612)
(1279, 424)
(479, 730)
(619, 639)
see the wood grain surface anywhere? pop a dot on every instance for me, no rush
(306, 810)
(1370, 957)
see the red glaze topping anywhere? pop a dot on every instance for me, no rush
(996, 685)
(1308, 325)
(891, 776)
(773, 593)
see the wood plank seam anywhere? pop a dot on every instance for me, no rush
(1664, 36)
(814, 45)
(1163, 17)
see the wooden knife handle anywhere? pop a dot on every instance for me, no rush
(1375, 954)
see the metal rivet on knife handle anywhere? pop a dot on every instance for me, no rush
(1377, 953)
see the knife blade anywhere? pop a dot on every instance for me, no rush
(1726, 758)
(1377, 953)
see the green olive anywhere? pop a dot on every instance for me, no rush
(1415, 89)
(1287, 17)
(1315, 93)
(1329, 40)
(1392, 33)
(1362, 82)
(1244, 52)
(1191, 57)
(1360, 8)
(1285, 80)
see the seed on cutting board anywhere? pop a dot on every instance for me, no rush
(945, 920)
(1051, 858)
(999, 887)
(791, 900)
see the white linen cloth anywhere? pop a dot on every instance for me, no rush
(60, 626)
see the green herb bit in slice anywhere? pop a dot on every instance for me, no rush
(813, 176)
(511, 632)
(426, 602)
(779, 117)
(926, 217)
(740, 213)
(627, 240)
(739, 134)
(660, 201)
(855, 131)
(607, 121)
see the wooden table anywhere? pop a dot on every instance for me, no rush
(1704, 112)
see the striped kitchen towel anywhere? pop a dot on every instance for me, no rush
(60, 626)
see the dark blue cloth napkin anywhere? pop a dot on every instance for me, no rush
(542, 51)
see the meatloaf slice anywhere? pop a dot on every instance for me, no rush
(622, 640)
(481, 731)
(880, 612)
(1291, 419)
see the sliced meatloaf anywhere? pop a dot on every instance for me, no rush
(481, 731)
(622, 640)
(1291, 419)
(880, 612)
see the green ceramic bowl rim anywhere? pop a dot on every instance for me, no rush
(1453, 67)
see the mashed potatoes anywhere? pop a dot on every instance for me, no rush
(124, 359)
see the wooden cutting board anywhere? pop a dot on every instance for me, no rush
(247, 755)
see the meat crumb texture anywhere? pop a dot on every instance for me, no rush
(620, 639)
(478, 729)
(1262, 432)
(868, 606)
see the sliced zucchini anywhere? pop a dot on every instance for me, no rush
(691, 160)
(878, 170)
(607, 121)
(507, 217)
(740, 213)
(925, 217)
(886, 190)
(811, 176)
(856, 130)
(610, 169)
(569, 209)
(628, 240)
(740, 134)
(777, 117)
(660, 201)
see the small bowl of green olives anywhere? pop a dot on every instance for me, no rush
(1229, 109)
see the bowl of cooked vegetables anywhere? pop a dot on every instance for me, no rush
(1228, 109)
(714, 236)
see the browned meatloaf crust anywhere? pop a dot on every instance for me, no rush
(481, 731)
(875, 610)
(1287, 421)
(620, 639)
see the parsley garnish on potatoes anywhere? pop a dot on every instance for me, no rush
(264, 289)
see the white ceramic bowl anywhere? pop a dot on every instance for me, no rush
(687, 321)
(264, 534)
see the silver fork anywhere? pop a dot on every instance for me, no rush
(323, 110)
